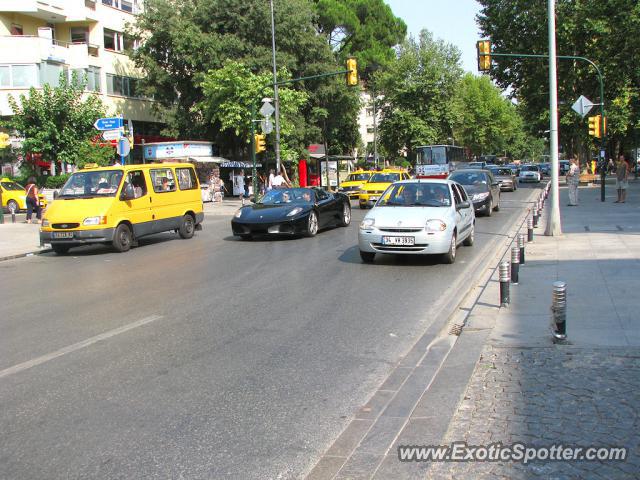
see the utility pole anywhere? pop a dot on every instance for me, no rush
(276, 98)
(553, 227)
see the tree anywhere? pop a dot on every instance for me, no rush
(57, 122)
(419, 90)
(232, 91)
(600, 31)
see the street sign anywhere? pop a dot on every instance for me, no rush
(267, 109)
(131, 132)
(582, 106)
(124, 147)
(112, 134)
(267, 125)
(111, 123)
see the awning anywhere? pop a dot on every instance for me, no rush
(208, 159)
(239, 165)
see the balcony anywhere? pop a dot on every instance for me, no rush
(30, 49)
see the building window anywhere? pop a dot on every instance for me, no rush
(79, 35)
(113, 40)
(5, 76)
(50, 73)
(16, 29)
(24, 76)
(122, 86)
(89, 75)
(124, 5)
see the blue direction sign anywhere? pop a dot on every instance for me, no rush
(112, 123)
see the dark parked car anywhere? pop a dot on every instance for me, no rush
(482, 188)
(292, 211)
(564, 167)
(545, 169)
(505, 177)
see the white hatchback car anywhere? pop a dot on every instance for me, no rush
(422, 216)
(530, 173)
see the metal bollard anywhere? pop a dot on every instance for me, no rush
(530, 229)
(521, 247)
(13, 215)
(515, 264)
(559, 310)
(504, 284)
(535, 217)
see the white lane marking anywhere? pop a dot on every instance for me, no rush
(76, 346)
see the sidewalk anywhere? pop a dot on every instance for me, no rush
(583, 393)
(21, 239)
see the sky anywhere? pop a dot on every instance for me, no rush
(450, 20)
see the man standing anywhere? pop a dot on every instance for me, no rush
(279, 181)
(573, 179)
(622, 177)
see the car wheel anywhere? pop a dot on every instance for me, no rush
(312, 224)
(345, 218)
(60, 249)
(450, 256)
(468, 242)
(489, 211)
(367, 257)
(187, 227)
(497, 207)
(12, 205)
(122, 238)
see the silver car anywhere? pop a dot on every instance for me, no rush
(422, 216)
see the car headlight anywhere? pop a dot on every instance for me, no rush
(479, 196)
(95, 221)
(238, 213)
(45, 222)
(435, 226)
(367, 223)
(293, 212)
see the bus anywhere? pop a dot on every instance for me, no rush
(437, 161)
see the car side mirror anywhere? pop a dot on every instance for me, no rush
(462, 205)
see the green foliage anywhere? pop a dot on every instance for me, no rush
(604, 32)
(55, 121)
(56, 181)
(89, 152)
(233, 90)
(419, 89)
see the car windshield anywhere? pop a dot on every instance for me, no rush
(529, 168)
(469, 178)
(416, 195)
(384, 178)
(476, 164)
(102, 183)
(354, 177)
(12, 186)
(288, 196)
(502, 171)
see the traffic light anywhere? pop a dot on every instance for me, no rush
(261, 142)
(352, 74)
(484, 55)
(4, 140)
(594, 126)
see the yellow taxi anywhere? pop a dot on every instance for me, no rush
(352, 185)
(14, 196)
(377, 184)
(120, 204)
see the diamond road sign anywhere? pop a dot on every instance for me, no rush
(111, 123)
(267, 109)
(582, 106)
(267, 125)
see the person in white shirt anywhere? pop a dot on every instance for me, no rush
(270, 182)
(573, 179)
(279, 181)
(240, 185)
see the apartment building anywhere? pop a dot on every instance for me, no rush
(40, 39)
(366, 124)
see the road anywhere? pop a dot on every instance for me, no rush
(206, 358)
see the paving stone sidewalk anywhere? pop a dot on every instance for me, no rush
(584, 393)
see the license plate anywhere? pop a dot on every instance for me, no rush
(398, 240)
(62, 235)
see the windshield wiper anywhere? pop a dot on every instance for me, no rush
(430, 204)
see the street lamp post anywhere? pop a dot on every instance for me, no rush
(276, 98)
(554, 227)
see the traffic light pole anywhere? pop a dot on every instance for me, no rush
(603, 132)
(253, 155)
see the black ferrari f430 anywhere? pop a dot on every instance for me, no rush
(292, 211)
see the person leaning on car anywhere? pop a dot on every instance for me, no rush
(33, 202)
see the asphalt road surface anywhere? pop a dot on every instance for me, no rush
(205, 358)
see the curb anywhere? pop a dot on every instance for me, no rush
(26, 254)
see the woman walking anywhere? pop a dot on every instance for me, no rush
(33, 202)
(622, 178)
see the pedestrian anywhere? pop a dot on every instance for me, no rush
(279, 181)
(573, 179)
(262, 180)
(240, 185)
(33, 200)
(270, 181)
(622, 178)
